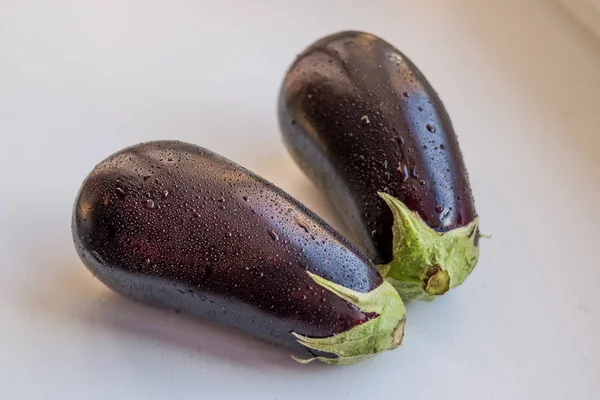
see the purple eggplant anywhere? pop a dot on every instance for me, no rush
(370, 131)
(175, 225)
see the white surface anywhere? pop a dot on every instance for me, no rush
(80, 80)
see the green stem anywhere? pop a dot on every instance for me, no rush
(427, 263)
(384, 332)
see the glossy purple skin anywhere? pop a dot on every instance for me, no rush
(175, 225)
(360, 118)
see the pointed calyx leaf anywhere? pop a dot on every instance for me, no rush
(427, 263)
(384, 332)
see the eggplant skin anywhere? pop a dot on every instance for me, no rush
(360, 118)
(175, 225)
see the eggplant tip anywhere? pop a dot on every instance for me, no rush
(398, 334)
(426, 263)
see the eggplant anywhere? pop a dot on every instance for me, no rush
(177, 226)
(369, 130)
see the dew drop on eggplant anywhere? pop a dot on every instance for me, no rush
(273, 235)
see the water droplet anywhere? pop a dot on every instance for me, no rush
(403, 169)
(405, 94)
(149, 204)
(422, 182)
(420, 108)
(165, 193)
(301, 224)
(439, 208)
(365, 120)
(196, 214)
(246, 198)
(98, 257)
(443, 146)
(221, 200)
(430, 127)
(120, 192)
(273, 235)
(229, 234)
(414, 172)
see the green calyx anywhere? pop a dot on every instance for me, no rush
(427, 263)
(384, 332)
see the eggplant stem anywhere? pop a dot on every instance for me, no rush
(363, 341)
(428, 263)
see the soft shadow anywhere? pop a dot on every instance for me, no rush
(583, 31)
(424, 319)
(73, 294)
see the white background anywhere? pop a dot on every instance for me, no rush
(80, 79)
